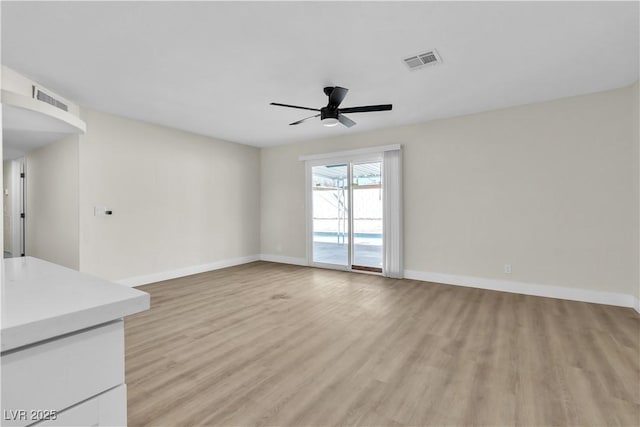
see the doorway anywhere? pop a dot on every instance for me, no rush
(346, 215)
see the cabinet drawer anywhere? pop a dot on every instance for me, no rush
(106, 409)
(83, 415)
(59, 373)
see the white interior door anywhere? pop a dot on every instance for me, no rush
(14, 208)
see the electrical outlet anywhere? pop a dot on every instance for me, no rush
(507, 269)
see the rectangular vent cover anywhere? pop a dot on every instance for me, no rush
(423, 59)
(41, 96)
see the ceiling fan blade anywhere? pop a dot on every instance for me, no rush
(300, 121)
(294, 106)
(346, 120)
(366, 109)
(337, 95)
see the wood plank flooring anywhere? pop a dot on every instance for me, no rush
(273, 344)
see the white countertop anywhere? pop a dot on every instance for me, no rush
(42, 300)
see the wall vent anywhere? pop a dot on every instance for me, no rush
(40, 95)
(423, 59)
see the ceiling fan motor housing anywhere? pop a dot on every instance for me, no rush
(328, 113)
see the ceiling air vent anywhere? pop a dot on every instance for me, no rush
(40, 95)
(423, 59)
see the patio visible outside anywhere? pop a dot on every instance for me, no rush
(331, 210)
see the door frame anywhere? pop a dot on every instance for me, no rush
(349, 160)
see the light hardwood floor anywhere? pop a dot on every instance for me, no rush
(273, 344)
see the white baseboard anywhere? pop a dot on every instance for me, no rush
(573, 294)
(283, 259)
(186, 271)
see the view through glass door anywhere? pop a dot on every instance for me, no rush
(367, 216)
(330, 189)
(346, 219)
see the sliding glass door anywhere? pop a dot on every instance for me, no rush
(346, 215)
(330, 225)
(366, 193)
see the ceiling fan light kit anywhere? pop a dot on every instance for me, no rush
(330, 122)
(331, 115)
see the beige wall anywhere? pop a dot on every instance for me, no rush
(7, 187)
(178, 199)
(546, 187)
(551, 188)
(52, 202)
(635, 138)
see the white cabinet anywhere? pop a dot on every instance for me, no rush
(60, 373)
(106, 409)
(62, 341)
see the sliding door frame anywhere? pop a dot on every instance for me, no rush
(348, 160)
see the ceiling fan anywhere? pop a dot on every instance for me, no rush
(331, 115)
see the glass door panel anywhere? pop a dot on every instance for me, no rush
(330, 216)
(367, 216)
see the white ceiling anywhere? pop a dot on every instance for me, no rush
(212, 67)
